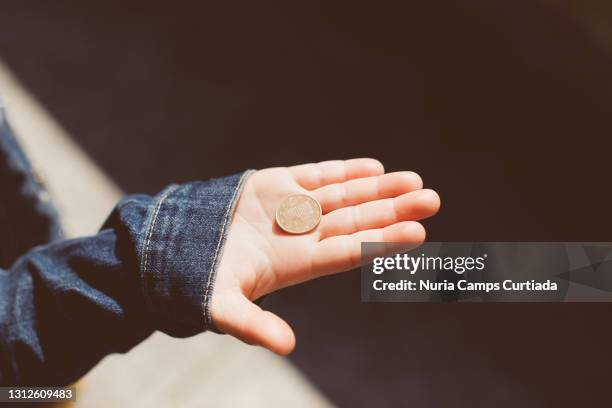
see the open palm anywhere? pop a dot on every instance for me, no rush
(360, 204)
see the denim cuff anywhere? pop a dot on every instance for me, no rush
(183, 242)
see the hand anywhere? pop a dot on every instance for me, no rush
(360, 204)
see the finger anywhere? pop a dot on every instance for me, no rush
(315, 175)
(412, 206)
(352, 192)
(243, 319)
(343, 252)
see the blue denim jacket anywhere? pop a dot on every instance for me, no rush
(65, 304)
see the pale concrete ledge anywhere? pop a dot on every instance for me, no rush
(206, 370)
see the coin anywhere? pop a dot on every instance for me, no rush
(298, 213)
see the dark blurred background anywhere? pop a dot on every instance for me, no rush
(503, 107)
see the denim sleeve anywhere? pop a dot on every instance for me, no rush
(25, 205)
(67, 304)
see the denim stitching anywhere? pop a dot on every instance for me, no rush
(222, 236)
(147, 242)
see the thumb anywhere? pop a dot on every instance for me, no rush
(236, 315)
